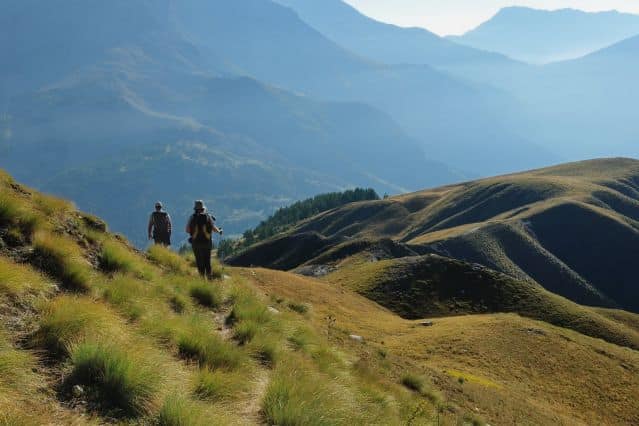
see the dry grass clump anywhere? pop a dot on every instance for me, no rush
(169, 260)
(19, 280)
(15, 366)
(180, 411)
(61, 258)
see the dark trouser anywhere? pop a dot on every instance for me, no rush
(203, 258)
(162, 239)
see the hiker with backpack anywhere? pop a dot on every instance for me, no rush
(201, 227)
(159, 228)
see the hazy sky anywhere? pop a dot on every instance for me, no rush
(457, 16)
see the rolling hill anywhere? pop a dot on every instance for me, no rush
(572, 229)
(94, 331)
(542, 36)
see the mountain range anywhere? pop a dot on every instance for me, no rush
(251, 104)
(544, 36)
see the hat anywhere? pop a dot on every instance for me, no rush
(199, 205)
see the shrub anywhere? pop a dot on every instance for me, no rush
(61, 259)
(300, 308)
(119, 379)
(167, 258)
(207, 294)
(413, 382)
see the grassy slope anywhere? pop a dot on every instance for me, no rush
(150, 343)
(508, 369)
(573, 228)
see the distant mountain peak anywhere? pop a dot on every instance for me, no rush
(541, 36)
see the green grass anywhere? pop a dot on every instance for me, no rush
(127, 294)
(208, 349)
(116, 258)
(168, 259)
(180, 411)
(18, 214)
(67, 320)
(297, 396)
(207, 294)
(245, 331)
(61, 259)
(247, 307)
(17, 281)
(119, 379)
(218, 385)
(267, 349)
(178, 303)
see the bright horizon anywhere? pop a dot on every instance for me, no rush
(458, 16)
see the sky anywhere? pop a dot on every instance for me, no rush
(447, 17)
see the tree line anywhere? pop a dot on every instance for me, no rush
(284, 218)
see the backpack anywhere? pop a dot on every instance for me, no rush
(161, 223)
(201, 228)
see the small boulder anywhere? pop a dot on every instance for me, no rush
(427, 323)
(273, 310)
(77, 391)
(356, 338)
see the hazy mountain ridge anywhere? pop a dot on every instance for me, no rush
(540, 36)
(158, 90)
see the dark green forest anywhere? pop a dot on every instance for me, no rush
(284, 218)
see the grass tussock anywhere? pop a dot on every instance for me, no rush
(118, 379)
(168, 259)
(180, 411)
(300, 308)
(116, 257)
(200, 344)
(127, 294)
(61, 258)
(298, 396)
(179, 304)
(15, 366)
(19, 280)
(247, 307)
(219, 385)
(67, 320)
(207, 294)
(17, 214)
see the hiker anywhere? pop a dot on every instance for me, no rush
(160, 226)
(201, 227)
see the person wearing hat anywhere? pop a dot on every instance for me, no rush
(201, 227)
(159, 228)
